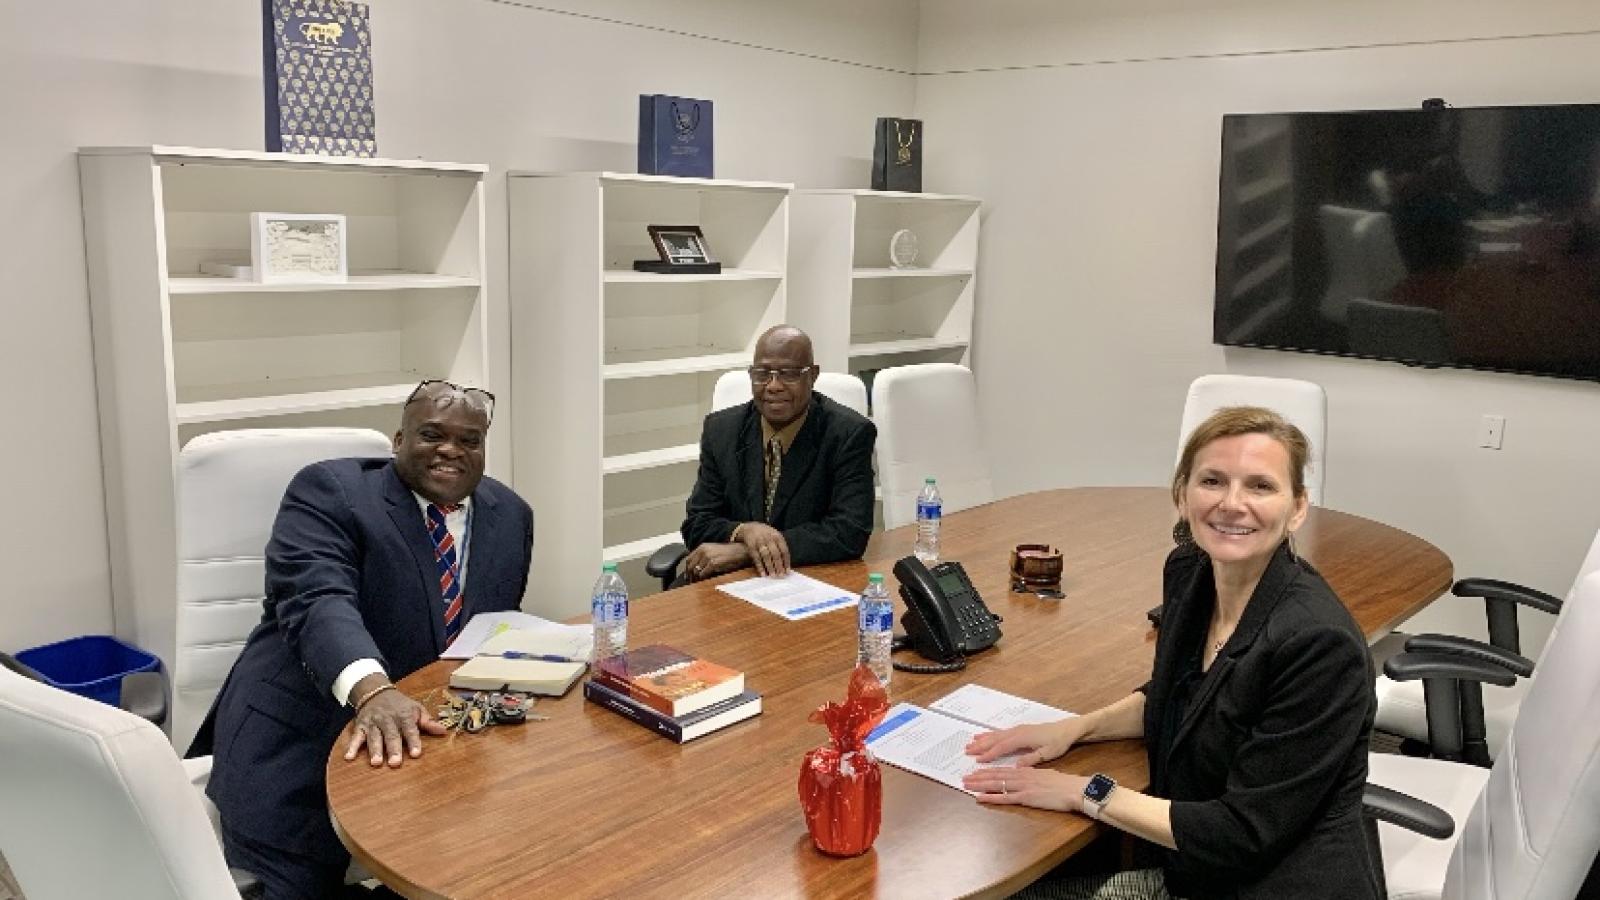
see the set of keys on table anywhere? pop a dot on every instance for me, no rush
(474, 712)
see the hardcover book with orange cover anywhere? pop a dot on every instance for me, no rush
(668, 680)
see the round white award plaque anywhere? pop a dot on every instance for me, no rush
(903, 249)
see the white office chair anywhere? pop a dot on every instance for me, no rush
(1527, 828)
(96, 803)
(1401, 710)
(733, 388)
(1363, 258)
(230, 484)
(927, 418)
(1303, 403)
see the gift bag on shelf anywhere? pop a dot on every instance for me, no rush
(841, 786)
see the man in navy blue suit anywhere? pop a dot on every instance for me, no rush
(373, 565)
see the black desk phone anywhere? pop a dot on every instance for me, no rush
(945, 618)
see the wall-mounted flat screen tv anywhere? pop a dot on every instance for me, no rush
(1438, 237)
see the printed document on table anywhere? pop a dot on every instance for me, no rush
(995, 709)
(793, 596)
(520, 631)
(929, 744)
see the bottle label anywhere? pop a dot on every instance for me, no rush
(610, 607)
(927, 510)
(877, 620)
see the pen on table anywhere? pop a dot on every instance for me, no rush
(545, 657)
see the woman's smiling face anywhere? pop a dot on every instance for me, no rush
(1239, 500)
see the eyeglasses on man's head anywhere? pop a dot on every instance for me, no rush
(474, 398)
(760, 375)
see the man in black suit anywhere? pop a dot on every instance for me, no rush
(373, 565)
(786, 479)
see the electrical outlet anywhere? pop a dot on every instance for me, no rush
(1491, 432)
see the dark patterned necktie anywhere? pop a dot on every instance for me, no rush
(774, 472)
(444, 555)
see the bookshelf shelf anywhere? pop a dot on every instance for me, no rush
(887, 345)
(233, 407)
(628, 276)
(385, 281)
(911, 273)
(649, 459)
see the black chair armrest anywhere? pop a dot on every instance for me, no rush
(1411, 666)
(1406, 811)
(7, 661)
(145, 695)
(1471, 649)
(1500, 601)
(663, 563)
(1492, 589)
(1452, 694)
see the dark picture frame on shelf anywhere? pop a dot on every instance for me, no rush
(681, 245)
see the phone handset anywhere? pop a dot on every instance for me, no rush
(945, 617)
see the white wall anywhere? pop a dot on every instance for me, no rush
(514, 85)
(1091, 130)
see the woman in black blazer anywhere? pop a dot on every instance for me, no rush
(1258, 710)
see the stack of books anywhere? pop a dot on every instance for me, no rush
(671, 692)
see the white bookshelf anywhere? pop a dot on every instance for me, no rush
(179, 353)
(864, 314)
(612, 369)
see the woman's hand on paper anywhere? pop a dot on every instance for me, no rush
(1034, 743)
(1039, 788)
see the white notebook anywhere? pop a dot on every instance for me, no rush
(530, 676)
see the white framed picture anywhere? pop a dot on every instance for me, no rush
(286, 247)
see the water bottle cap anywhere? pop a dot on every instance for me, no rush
(928, 480)
(609, 567)
(875, 578)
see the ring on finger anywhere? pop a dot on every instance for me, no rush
(1003, 787)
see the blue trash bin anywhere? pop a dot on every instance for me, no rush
(91, 666)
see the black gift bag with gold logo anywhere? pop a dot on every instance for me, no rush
(897, 155)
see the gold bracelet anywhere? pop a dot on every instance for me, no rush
(733, 538)
(388, 686)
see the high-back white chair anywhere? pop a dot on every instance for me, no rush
(96, 803)
(230, 484)
(928, 425)
(845, 390)
(1401, 707)
(1363, 258)
(1527, 829)
(1303, 403)
(733, 388)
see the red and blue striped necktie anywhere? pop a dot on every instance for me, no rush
(444, 555)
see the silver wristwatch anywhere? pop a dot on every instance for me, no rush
(1096, 793)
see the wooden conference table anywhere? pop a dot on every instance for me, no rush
(590, 804)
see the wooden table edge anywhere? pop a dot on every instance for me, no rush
(389, 877)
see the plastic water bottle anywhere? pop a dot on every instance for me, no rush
(877, 628)
(609, 603)
(929, 507)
